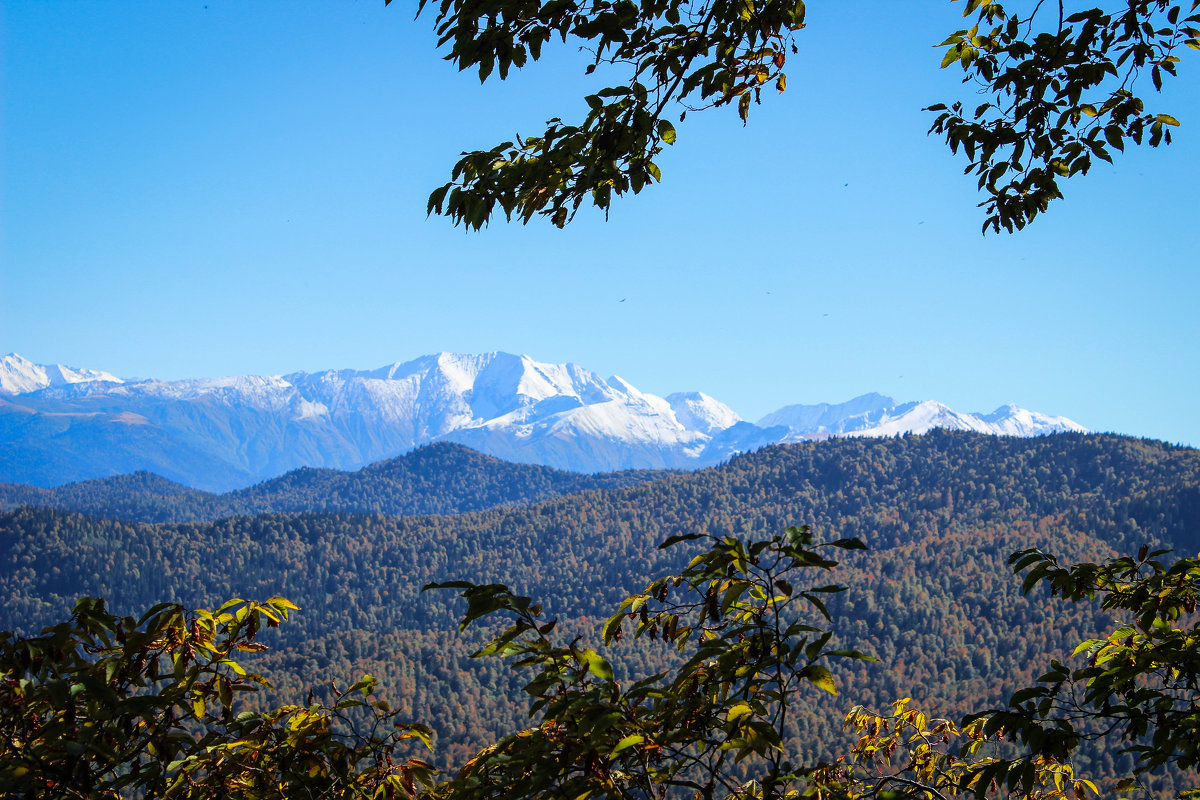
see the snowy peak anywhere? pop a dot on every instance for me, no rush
(877, 415)
(509, 383)
(450, 391)
(1010, 420)
(698, 412)
(19, 375)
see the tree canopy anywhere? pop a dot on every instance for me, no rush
(1056, 90)
(102, 706)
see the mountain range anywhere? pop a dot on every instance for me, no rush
(61, 424)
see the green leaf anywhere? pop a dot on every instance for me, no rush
(849, 544)
(626, 743)
(814, 648)
(366, 684)
(666, 131)
(683, 537)
(448, 584)
(855, 654)
(612, 626)
(436, 198)
(597, 665)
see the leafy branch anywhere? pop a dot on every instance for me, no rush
(1056, 98)
(749, 645)
(105, 707)
(678, 56)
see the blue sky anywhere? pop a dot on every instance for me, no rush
(219, 187)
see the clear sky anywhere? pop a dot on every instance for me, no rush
(211, 187)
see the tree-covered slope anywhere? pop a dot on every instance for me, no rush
(932, 598)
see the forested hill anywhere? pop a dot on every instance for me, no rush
(933, 598)
(440, 478)
(889, 492)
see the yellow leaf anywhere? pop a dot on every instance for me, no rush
(820, 677)
(737, 712)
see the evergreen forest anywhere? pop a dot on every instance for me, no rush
(932, 598)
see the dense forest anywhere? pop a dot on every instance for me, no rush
(932, 599)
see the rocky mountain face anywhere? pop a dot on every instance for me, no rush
(59, 424)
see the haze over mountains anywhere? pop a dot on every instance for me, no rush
(60, 424)
(438, 478)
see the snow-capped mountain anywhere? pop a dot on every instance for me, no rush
(877, 415)
(19, 375)
(59, 424)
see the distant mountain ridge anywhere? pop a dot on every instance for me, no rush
(60, 424)
(439, 478)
